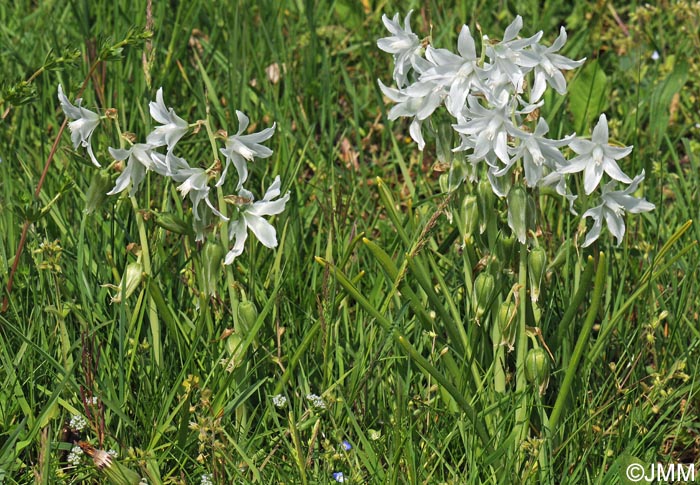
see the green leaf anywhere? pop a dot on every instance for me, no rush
(660, 102)
(588, 96)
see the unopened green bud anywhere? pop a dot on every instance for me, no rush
(97, 192)
(536, 265)
(517, 212)
(234, 347)
(560, 257)
(247, 314)
(458, 173)
(537, 368)
(212, 254)
(487, 203)
(470, 214)
(444, 181)
(507, 322)
(483, 292)
(172, 223)
(131, 279)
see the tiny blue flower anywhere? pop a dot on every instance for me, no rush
(339, 477)
(346, 445)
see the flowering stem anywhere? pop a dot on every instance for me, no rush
(146, 261)
(521, 413)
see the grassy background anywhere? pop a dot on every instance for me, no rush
(61, 333)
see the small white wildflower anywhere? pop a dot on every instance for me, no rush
(83, 124)
(316, 401)
(173, 127)
(279, 401)
(113, 453)
(206, 479)
(655, 56)
(77, 422)
(143, 481)
(75, 455)
(93, 400)
(250, 217)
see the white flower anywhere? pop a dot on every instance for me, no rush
(195, 183)
(597, 156)
(84, 124)
(458, 73)
(77, 422)
(508, 56)
(241, 148)
(75, 456)
(113, 453)
(316, 401)
(250, 216)
(537, 152)
(612, 209)
(173, 127)
(403, 44)
(206, 479)
(279, 401)
(549, 66)
(139, 160)
(418, 100)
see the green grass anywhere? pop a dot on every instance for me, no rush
(62, 340)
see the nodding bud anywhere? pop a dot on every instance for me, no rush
(470, 214)
(247, 314)
(537, 368)
(487, 203)
(97, 192)
(131, 279)
(537, 264)
(234, 347)
(172, 223)
(212, 255)
(517, 212)
(562, 254)
(507, 323)
(483, 292)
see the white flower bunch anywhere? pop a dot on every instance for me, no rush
(240, 149)
(494, 99)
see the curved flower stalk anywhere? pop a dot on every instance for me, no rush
(497, 117)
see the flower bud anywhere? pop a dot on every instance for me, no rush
(536, 265)
(457, 174)
(537, 368)
(517, 212)
(234, 347)
(131, 279)
(212, 254)
(483, 292)
(247, 315)
(97, 192)
(507, 323)
(487, 203)
(470, 214)
(172, 223)
(562, 254)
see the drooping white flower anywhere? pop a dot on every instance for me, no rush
(508, 57)
(457, 73)
(403, 44)
(241, 149)
(549, 66)
(173, 127)
(83, 124)
(418, 100)
(612, 209)
(195, 183)
(250, 216)
(138, 162)
(597, 156)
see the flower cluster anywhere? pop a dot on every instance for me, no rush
(193, 181)
(494, 98)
